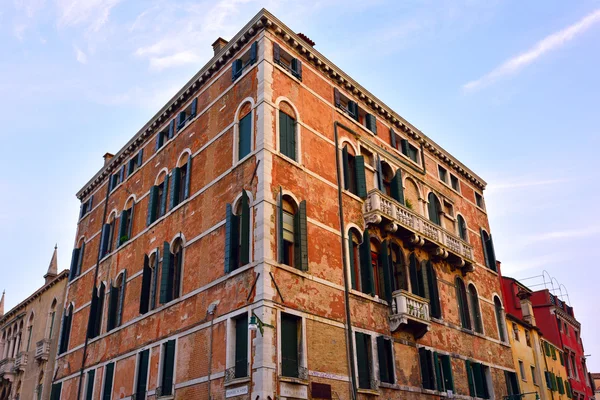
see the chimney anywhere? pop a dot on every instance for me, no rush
(526, 307)
(219, 44)
(107, 158)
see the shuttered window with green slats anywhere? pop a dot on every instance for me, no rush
(354, 173)
(363, 360)
(241, 346)
(89, 390)
(141, 383)
(237, 234)
(287, 135)
(477, 374)
(245, 136)
(463, 304)
(291, 333)
(168, 368)
(65, 331)
(385, 356)
(292, 233)
(436, 371)
(109, 372)
(512, 385)
(367, 283)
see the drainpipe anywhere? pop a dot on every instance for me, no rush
(96, 271)
(211, 310)
(344, 261)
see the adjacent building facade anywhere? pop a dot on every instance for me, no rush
(276, 231)
(29, 337)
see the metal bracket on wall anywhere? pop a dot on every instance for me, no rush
(253, 286)
(276, 287)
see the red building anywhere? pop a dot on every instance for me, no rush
(557, 322)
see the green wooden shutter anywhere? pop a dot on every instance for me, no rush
(414, 275)
(569, 391)
(121, 298)
(380, 175)
(336, 97)
(352, 261)
(553, 351)
(366, 266)
(245, 132)
(392, 138)
(140, 158)
(231, 240)
(384, 262)
(174, 186)
(509, 387)
(241, 346)
(165, 195)
(105, 240)
(188, 175)
(289, 346)
(91, 376)
(404, 146)
(122, 228)
(142, 373)
(346, 168)
(470, 378)
(382, 356)
(152, 200)
(491, 253)
(371, 123)
(475, 309)
(301, 238)
(397, 188)
(146, 282)
(561, 386)
(280, 226)
(181, 118)
(548, 380)
(463, 306)
(553, 381)
(93, 311)
(74, 259)
(80, 259)
(245, 230)
(361, 181)
(236, 69)
(168, 368)
(166, 281)
(55, 392)
(547, 348)
(484, 246)
(424, 286)
(427, 374)
(283, 133)
(297, 68)
(447, 369)
(439, 381)
(172, 128)
(362, 360)
(113, 303)
(253, 52)
(194, 108)
(109, 372)
(434, 295)
(130, 217)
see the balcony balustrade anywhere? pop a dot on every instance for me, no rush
(411, 312)
(21, 361)
(42, 350)
(394, 217)
(7, 368)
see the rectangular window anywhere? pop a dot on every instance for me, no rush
(515, 331)
(363, 360)
(288, 238)
(533, 376)
(109, 372)
(436, 371)
(528, 339)
(512, 384)
(248, 58)
(348, 106)
(241, 346)
(89, 389)
(478, 200)
(454, 183)
(56, 389)
(86, 207)
(287, 62)
(386, 359)
(560, 385)
(167, 368)
(553, 349)
(164, 135)
(245, 136)
(562, 359)
(287, 135)
(371, 123)
(141, 381)
(187, 114)
(477, 376)
(522, 371)
(291, 334)
(409, 150)
(443, 174)
(135, 162)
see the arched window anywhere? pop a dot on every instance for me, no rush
(77, 260)
(463, 303)
(237, 234)
(412, 196)
(500, 319)
(51, 317)
(39, 389)
(354, 240)
(180, 181)
(149, 282)
(97, 308)
(399, 278)
(288, 135)
(378, 269)
(292, 233)
(488, 250)
(434, 207)
(116, 301)
(385, 175)
(244, 131)
(157, 200)
(108, 233)
(29, 330)
(170, 273)
(354, 172)
(462, 228)
(65, 332)
(126, 222)
(475, 310)
(423, 281)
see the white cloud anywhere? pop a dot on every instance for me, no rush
(521, 264)
(94, 13)
(549, 43)
(80, 55)
(174, 60)
(566, 234)
(522, 184)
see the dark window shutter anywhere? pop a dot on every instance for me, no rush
(362, 360)
(181, 119)
(146, 282)
(484, 246)
(424, 282)
(380, 175)
(241, 346)
(105, 240)
(122, 174)
(142, 376)
(371, 123)
(553, 380)
(93, 312)
(152, 200)
(384, 262)
(121, 298)
(280, 227)
(346, 166)
(297, 68)
(130, 218)
(463, 305)
(476, 317)
(491, 253)
(352, 261)
(188, 175)
(253, 52)
(140, 158)
(159, 142)
(433, 208)
(366, 267)
(165, 195)
(353, 109)
(301, 238)
(55, 392)
(414, 275)
(113, 304)
(384, 373)
(470, 377)
(168, 367)
(287, 135)
(276, 52)
(427, 377)
(245, 133)
(99, 310)
(361, 181)
(434, 295)
(194, 108)
(171, 128)
(569, 391)
(397, 187)
(109, 372)
(80, 259)
(122, 228)
(245, 230)
(236, 69)
(404, 147)
(439, 381)
(392, 138)
(336, 97)
(548, 380)
(74, 261)
(174, 186)
(447, 369)
(91, 376)
(166, 281)
(289, 345)
(231, 239)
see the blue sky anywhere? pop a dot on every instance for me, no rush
(510, 88)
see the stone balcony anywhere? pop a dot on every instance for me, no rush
(21, 361)
(42, 350)
(7, 368)
(410, 312)
(394, 217)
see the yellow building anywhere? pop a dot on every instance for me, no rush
(556, 382)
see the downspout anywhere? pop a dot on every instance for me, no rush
(344, 261)
(211, 311)
(85, 345)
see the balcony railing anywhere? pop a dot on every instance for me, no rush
(42, 349)
(21, 361)
(379, 208)
(411, 311)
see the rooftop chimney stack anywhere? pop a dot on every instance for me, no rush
(218, 45)
(526, 307)
(107, 158)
